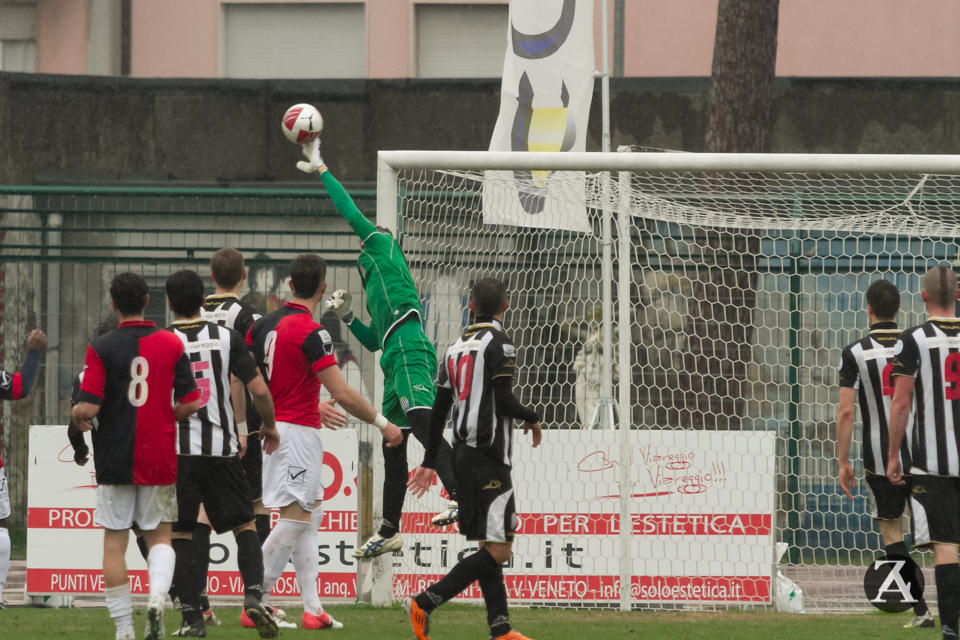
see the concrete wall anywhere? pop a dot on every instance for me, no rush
(74, 129)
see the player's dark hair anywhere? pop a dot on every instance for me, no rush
(884, 299)
(307, 273)
(129, 292)
(106, 325)
(185, 293)
(488, 296)
(227, 266)
(940, 283)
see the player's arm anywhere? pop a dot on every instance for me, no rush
(81, 452)
(849, 379)
(17, 385)
(501, 363)
(356, 405)
(423, 475)
(185, 392)
(243, 367)
(238, 400)
(905, 364)
(91, 391)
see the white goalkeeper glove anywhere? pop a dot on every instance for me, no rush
(311, 151)
(339, 303)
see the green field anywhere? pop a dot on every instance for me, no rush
(464, 622)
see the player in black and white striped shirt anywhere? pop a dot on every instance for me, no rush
(476, 376)
(927, 381)
(865, 375)
(209, 471)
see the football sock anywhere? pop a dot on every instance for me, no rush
(394, 485)
(263, 526)
(201, 551)
(160, 563)
(120, 606)
(4, 557)
(250, 563)
(473, 567)
(495, 597)
(185, 580)
(306, 560)
(277, 549)
(420, 426)
(900, 549)
(948, 597)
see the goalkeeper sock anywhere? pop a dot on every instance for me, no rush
(420, 426)
(495, 597)
(394, 485)
(948, 597)
(471, 568)
(263, 526)
(899, 549)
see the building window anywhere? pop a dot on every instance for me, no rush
(18, 38)
(311, 40)
(461, 40)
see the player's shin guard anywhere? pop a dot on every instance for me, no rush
(160, 564)
(394, 486)
(250, 563)
(263, 526)
(306, 560)
(420, 426)
(4, 558)
(277, 549)
(471, 568)
(185, 581)
(495, 597)
(948, 597)
(900, 549)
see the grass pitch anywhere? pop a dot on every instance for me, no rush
(466, 622)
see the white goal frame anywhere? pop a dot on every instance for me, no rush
(621, 164)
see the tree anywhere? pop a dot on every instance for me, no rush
(724, 289)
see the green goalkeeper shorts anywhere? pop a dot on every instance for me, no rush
(409, 364)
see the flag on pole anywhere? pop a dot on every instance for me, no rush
(544, 106)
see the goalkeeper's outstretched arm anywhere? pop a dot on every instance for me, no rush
(341, 198)
(364, 334)
(339, 304)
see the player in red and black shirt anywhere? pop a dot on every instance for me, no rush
(296, 356)
(15, 386)
(129, 378)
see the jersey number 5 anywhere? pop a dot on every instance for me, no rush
(461, 374)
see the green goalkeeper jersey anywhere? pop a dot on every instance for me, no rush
(391, 295)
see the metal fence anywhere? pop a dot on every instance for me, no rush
(61, 246)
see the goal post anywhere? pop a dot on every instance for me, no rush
(737, 280)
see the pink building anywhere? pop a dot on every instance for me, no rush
(448, 38)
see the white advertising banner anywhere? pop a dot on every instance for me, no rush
(702, 506)
(545, 99)
(65, 547)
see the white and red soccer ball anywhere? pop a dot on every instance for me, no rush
(302, 123)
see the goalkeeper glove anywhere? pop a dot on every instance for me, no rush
(339, 303)
(311, 151)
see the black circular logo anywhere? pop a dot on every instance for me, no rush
(893, 584)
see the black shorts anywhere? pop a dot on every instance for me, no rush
(889, 500)
(485, 496)
(252, 462)
(220, 484)
(935, 506)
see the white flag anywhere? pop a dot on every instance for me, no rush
(544, 106)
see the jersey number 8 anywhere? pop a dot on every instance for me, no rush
(138, 389)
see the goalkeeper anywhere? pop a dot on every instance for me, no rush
(408, 361)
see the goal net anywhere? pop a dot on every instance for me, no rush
(736, 282)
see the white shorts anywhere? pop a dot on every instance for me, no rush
(4, 495)
(124, 506)
(293, 473)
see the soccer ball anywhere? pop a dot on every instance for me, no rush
(302, 123)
